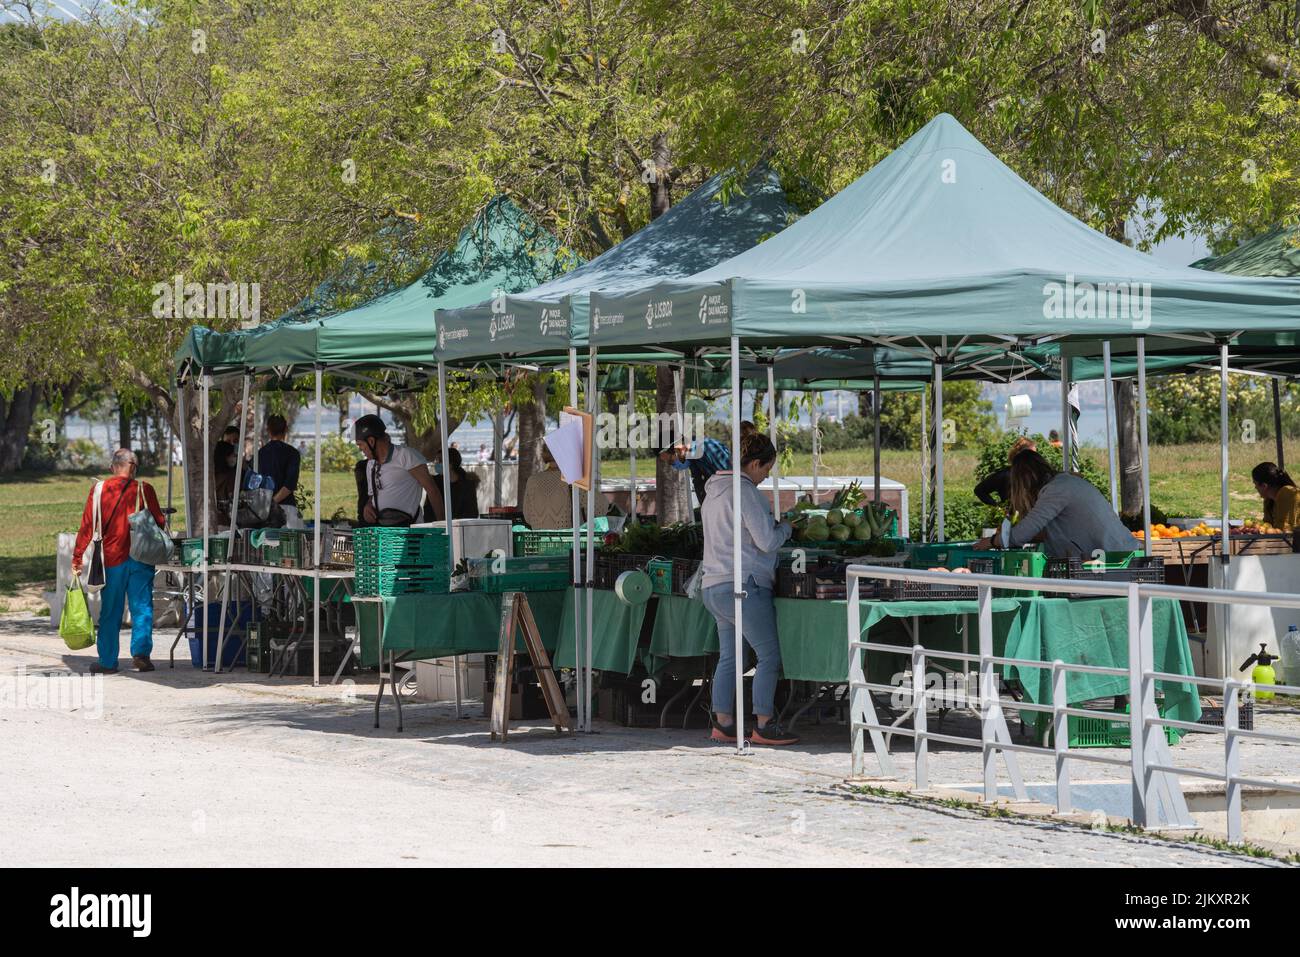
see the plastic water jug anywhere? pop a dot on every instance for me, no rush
(1290, 648)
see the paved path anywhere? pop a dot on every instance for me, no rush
(185, 768)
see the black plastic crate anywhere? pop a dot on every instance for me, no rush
(1212, 715)
(1149, 570)
(822, 579)
(683, 569)
(925, 591)
(609, 567)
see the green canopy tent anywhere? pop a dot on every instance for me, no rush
(938, 247)
(717, 220)
(502, 248)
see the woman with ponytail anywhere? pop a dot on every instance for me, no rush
(760, 542)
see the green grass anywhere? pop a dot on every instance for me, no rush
(1184, 481)
(36, 507)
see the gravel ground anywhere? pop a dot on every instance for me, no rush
(184, 768)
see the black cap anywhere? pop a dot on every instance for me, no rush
(369, 426)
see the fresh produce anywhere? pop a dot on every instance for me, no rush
(839, 533)
(849, 496)
(835, 517)
(1260, 528)
(1162, 531)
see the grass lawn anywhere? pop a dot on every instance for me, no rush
(36, 507)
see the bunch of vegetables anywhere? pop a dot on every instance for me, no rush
(681, 540)
(870, 524)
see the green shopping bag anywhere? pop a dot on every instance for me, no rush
(75, 626)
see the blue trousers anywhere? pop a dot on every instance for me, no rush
(130, 583)
(759, 626)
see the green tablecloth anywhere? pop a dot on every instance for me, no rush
(616, 629)
(683, 628)
(1090, 631)
(436, 626)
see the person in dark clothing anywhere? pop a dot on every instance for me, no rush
(464, 488)
(999, 483)
(223, 468)
(363, 492)
(281, 461)
(710, 457)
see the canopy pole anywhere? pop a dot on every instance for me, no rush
(183, 422)
(1225, 547)
(679, 416)
(171, 444)
(817, 445)
(318, 509)
(1111, 462)
(446, 508)
(498, 439)
(738, 715)
(875, 414)
(593, 398)
(257, 431)
(771, 434)
(1067, 447)
(578, 604)
(1145, 457)
(234, 528)
(925, 469)
(1277, 423)
(631, 446)
(206, 402)
(938, 448)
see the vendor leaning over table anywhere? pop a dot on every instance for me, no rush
(1062, 510)
(1280, 495)
(396, 475)
(760, 544)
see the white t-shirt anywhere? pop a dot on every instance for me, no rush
(398, 488)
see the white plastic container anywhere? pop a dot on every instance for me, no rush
(478, 537)
(1290, 651)
(435, 679)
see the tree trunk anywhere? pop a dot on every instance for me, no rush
(16, 416)
(1129, 446)
(531, 422)
(191, 435)
(670, 483)
(123, 428)
(1128, 442)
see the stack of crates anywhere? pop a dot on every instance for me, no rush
(401, 561)
(1022, 562)
(1114, 567)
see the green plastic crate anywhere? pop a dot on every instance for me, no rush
(523, 581)
(386, 581)
(192, 550)
(544, 541)
(378, 546)
(1099, 732)
(947, 554)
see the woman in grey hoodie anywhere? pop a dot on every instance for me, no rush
(760, 543)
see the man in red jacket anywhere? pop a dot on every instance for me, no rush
(126, 581)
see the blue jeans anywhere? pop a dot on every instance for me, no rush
(759, 626)
(130, 583)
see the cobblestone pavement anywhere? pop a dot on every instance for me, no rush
(185, 768)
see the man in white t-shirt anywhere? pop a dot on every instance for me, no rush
(396, 475)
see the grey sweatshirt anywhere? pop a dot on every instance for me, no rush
(760, 538)
(1076, 520)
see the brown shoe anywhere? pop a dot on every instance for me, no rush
(142, 663)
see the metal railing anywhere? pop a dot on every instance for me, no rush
(1153, 775)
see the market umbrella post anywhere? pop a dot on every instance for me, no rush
(234, 529)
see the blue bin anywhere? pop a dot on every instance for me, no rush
(238, 616)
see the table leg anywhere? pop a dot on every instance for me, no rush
(397, 694)
(379, 655)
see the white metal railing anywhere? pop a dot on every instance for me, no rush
(1152, 771)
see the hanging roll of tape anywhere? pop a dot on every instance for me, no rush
(633, 587)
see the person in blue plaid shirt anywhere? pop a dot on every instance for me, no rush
(703, 457)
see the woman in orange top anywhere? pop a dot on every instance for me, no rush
(1280, 495)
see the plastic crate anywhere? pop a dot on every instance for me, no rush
(1014, 562)
(377, 546)
(1100, 732)
(1129, 568)
(822, 580)
(1212, 715)
(946, 554)
(544, 541)
(523, 581)
(388, 581)
(609, 567)
(191, 550)
(925, 591)
(683, 569)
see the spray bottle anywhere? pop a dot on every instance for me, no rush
(1263, 673)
